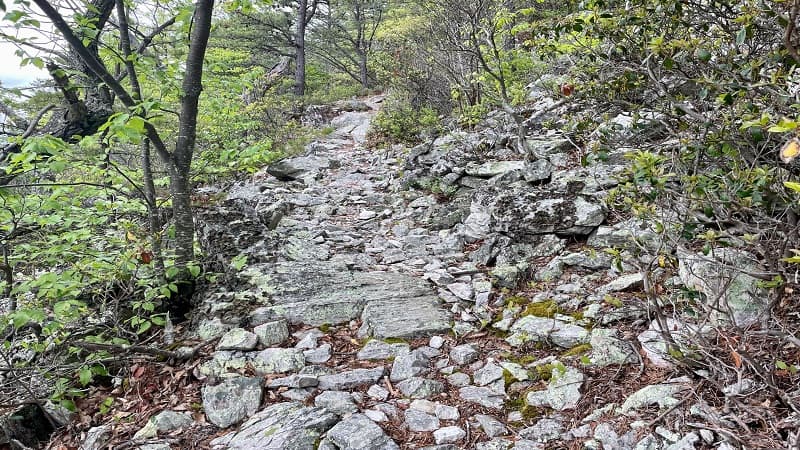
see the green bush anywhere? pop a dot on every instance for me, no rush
(399, 122)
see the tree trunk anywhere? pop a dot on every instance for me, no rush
(187, 133)
(363, 73)
(300, 49)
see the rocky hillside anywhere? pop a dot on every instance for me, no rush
(469, 293)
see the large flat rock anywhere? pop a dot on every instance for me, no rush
(283, 426)
(326, 292)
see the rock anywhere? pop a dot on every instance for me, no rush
(491, 426)
(624, 283)
(299, 168)
(448, 435)
(376, 349)
(606, 434)
(494, 168)
(357, 432)
(295, 381)
(308, 339)
(272, 333)
(436, 342)
(545, 430)
(279, 360)
(338, 402)
(445, 412)
(319, 355)
(423, 405)
(409, 364)
(608, 350)
(657, 394)
(238, 339)
(171, 420)
(541, 329)
(420, 387)
(281, 426)
(406, 317)
(461, 290)
(482, 395)
(508, 275)
(487, 374)
(631, 234)
(377, 392)
(563, 390)
(463, 354)
(459, 379)
(350, 379)
(155, 446)
(232, 401)
(419, 421)
(29, 426)
(477, 225)
(375, 415)
(521, 212)
(96, 438)
(723, 278)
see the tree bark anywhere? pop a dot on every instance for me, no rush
(300, 49)
(187, 134)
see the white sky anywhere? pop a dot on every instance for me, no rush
(11, 74)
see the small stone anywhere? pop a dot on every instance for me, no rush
(359, 432)
(171, 420)
(319, 355)
(445, 412)
(487, 374)
(436, 342)
(376, 350)
(482, 395)
(238, 339)
(279, 360)
(461, 290)
(448, 435)
(375, 415)
(350, 379)
(377, 392)
(294, 381)
(419, 421)
(416, 387)
(459, 379)
(231, 401)
(463, 354)
(367, 214)
(338, 402)
(423, 405)
(409, 364)
(272, 333)
(491, 426)
(298, 394)
(545, 430)
(563, 391)
(516, 371)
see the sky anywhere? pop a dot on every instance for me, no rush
(11, 74)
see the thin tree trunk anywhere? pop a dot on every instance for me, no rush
(187, 134)
(300, 48)
(147, 172)
(363, 73)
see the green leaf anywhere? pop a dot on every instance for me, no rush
(85, 375)
(781, 365)
(741, 36)
(792, 185)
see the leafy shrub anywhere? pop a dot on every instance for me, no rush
(399, 122)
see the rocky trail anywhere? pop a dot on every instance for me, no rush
(457, 296)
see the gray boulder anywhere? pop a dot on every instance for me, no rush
(357, 432)
(283, 426)
(232, 401)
